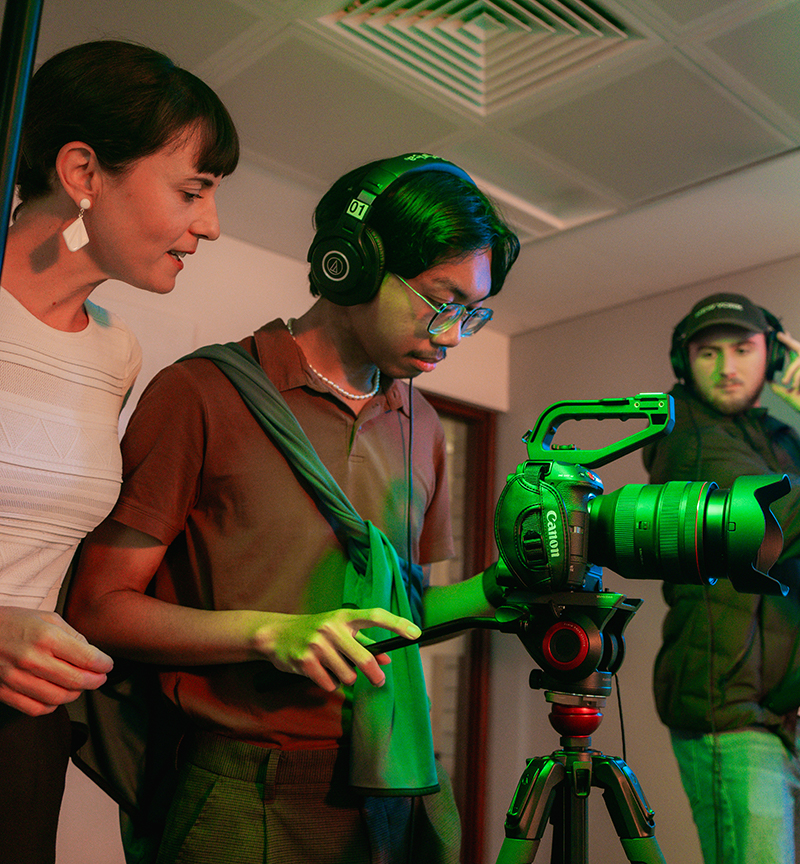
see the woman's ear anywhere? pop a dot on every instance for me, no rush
(77, 169)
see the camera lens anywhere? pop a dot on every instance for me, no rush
(690, 532)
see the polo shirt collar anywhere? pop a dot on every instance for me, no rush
(282, 360)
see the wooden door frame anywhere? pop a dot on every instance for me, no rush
(479, 552)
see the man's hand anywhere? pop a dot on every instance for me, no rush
(44, 662)
(329, 642)
(789, 387)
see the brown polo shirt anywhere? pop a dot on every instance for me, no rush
(243, 532)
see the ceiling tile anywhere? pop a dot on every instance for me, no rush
(659, 129)
(203, 25)
(765, 52)
(685, 11)
(513, 167)
(319, 116)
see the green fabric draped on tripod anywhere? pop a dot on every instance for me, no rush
(392, 745)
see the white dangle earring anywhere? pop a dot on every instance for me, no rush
(75, 235)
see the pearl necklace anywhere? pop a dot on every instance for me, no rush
(336, 387)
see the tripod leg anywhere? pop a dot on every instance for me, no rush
(633, 818)
(527, 816)
(570, 816)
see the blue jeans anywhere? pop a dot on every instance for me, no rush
(742, 787)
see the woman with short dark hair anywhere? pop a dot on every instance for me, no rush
(122, 153)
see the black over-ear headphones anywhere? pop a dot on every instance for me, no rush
(347, 261)
(679, 354)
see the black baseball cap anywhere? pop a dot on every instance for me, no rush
(732, 309)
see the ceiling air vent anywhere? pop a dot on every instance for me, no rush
(484, 55)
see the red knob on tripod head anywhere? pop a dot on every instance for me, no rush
(574, 721)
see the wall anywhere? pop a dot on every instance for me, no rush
(620, 352)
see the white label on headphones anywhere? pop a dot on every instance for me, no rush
(357, 208)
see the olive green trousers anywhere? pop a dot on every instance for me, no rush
(241, 803)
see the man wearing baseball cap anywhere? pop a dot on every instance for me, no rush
(727, 678)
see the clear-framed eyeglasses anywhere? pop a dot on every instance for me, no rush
(448, 314)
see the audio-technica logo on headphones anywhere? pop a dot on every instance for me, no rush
(335, 266)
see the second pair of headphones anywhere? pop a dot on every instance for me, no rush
(347, 260)
(679, 354)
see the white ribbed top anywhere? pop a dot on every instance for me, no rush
(60, 464)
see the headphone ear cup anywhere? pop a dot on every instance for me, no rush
(374, 265)
(776, 350)
(335, 265)
(347, 272)
(776, 355)
(678, 357)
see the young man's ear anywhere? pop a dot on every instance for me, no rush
(77, 169)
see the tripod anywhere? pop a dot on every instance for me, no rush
(577, 641)
(556, 788)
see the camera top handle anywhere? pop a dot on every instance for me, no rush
(657, 408)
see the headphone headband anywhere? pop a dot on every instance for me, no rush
(347, 261)
(382, 176)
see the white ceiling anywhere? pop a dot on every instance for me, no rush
(638, 147)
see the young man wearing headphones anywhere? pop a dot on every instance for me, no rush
(727, 678)
(240, 562)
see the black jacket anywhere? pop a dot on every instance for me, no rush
(730, 660)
